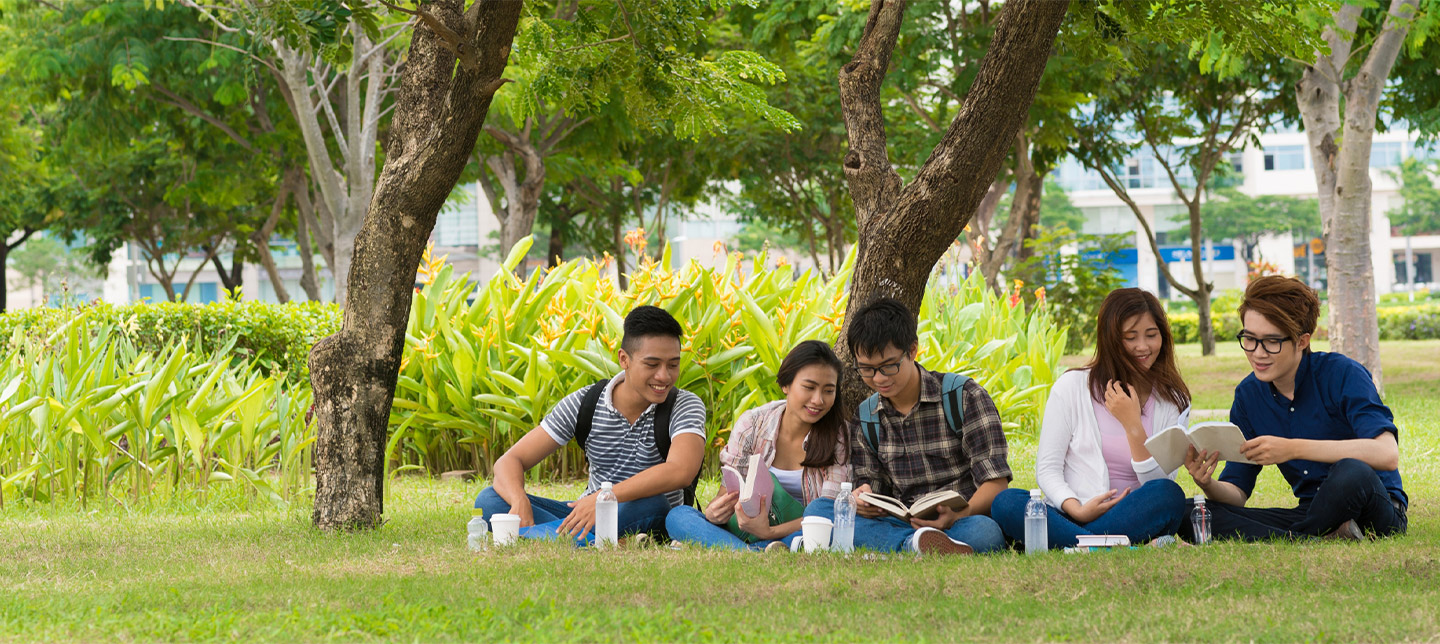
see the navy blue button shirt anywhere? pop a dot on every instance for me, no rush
(1335, 399)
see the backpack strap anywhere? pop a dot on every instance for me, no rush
(585, 416)
(952, 385)
(663, 413)
(870, 421)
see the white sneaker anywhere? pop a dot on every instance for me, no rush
(929, 541)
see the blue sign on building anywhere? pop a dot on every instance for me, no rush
(1217, 252)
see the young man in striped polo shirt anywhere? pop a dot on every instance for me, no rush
(620, 446)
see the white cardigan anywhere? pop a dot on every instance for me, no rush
(1069, 463)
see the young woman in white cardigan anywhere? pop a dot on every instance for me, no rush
(1092, 464)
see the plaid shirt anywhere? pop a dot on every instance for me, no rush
(917, 454)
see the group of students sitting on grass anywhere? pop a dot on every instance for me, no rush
(1316, 416)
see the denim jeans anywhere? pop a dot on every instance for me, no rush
(640, 515)
(687, 524)
(889, 534)
(1154, 509)
(1352, 491)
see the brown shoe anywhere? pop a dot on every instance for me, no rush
(1348, 531)
(929, 541)
(777, 546)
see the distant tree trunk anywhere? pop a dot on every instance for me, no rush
(5, 247)
(261, 237)
(1023, 251)
(1342, 170)
(905, 229)
(984, 216)
(1026, 192)
(438, 115)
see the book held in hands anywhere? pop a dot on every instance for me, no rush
(925, 507)
(756, 486)
(1168, 445)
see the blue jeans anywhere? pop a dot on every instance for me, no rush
(889, 534)
(1149, 511)
(640, 515)
(1352, 491)
(685, 523)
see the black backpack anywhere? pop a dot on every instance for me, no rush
(586, 416)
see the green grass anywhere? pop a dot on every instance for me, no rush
(187, 573)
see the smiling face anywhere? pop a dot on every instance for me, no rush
(812, 393)
(1279, 367)
(888, 372)
(653, 368)
(1142, 339)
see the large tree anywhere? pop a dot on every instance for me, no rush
(1339, 96)
(905, 228)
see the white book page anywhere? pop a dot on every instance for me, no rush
(1222, 437)
(1168, 447)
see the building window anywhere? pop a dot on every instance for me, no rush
(457, 225)
(1422, 269)
(1285, 157)
(1386, 154)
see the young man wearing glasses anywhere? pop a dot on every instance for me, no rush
(1314, 415)
(911, 447)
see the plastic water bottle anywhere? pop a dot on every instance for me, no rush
(607, 517)
(843, 539)
(1037, 531)
(477, 529)
(1200, 521)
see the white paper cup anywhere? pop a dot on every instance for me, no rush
(815, 533)
(506, 527)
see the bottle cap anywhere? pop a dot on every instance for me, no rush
(1199, 499)
(846, 487)
(1035, 494)
(605, 485)
(477, 512)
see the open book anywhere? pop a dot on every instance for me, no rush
(1101, 540)
(925, 507)
(755, 485)
(1168, 445)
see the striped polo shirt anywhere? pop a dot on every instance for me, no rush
(617, 449)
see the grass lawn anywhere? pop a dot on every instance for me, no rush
(193, 574)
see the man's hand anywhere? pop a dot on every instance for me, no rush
(1201, 465)
(943, 521)
(756, 525)
(581, 518)
(722, 507)
(861, 507)
(1097, 506)
(1269, 450)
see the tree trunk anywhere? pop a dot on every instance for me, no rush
(4, 283)
(984, 216)
(304, 220)
(522, 194)
(261, 237)
(1202, 291)
(1033, 196)
(1342, 171)
(556, 248)
(438, 115)
(1025, 189)
(904, 230)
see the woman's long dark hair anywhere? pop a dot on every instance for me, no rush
(828, 432)
(1113, 362)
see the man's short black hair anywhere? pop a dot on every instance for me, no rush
(881, 323)
(646, 321)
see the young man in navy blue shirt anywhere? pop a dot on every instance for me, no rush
(1317, 417)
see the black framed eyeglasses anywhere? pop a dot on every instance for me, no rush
(1250, 343)
(884, 370)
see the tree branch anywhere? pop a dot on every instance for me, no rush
(173, 99)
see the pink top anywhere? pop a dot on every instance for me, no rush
(1116, 447)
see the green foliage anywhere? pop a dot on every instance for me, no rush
(275, 338)
(86, 415)
(1185, 327)
(1410, 322)
(1236, 215)
(476, 376)
(1419, 212)
(1073, 283)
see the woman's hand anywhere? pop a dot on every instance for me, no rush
(757, 525)
(722, 508)
(1124, 404)
(1097, 506)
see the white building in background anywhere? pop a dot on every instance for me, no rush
(1281, 165)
